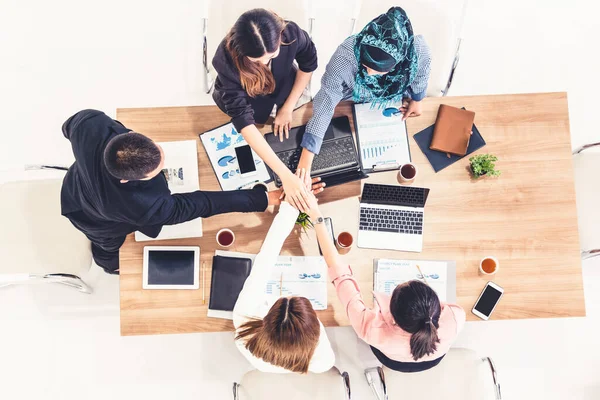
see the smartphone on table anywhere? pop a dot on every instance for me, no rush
(245, 160)
(487, 301)
(329, 225)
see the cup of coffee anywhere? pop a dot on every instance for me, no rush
(407, 173)
(225, 237)
(344, 242)
(489, 266)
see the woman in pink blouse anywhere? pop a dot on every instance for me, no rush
(409, 331)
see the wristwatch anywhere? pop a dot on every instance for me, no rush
(319, 220)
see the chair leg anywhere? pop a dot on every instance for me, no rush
(453, 69)
(590, 254)
(494, 377)
(69, 280)
(208, 81)
(236, 387)
(346, 379)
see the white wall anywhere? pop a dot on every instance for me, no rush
(59, 56)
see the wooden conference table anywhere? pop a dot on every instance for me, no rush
(526, 217)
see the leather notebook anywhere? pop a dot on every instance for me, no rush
(452, 130)
(227, 281)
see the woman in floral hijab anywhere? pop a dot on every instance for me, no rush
(383, 64)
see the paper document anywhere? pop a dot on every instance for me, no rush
(181, 172)
(390, 273)
(302, 276)
(220, 144)
(382, 137)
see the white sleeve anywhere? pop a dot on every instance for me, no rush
(323, 358)
(252, 296)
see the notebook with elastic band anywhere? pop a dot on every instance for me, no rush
(228, 277)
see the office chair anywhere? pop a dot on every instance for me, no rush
(461, 375)
(440, 23)
(223, 14)
(38, 244)
(330, 385)
(587, 184)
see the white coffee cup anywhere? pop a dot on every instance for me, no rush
(225, 232)
(496, 265)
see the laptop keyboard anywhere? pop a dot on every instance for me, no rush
(334, 155)
(394, 195)
(395, 221)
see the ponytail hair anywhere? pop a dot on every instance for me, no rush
(416, 309)
(255, 33)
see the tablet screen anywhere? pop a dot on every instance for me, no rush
(171, 267)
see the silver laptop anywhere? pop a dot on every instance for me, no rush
(391, 217)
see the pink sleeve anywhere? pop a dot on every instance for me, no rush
(361, 318)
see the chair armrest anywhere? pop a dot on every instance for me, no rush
(590, 253)
(346, 379)
(208, 81)
(369, 372)
(32, 167)
(585, 147)
(453, 69)
(236, 390)
(494, 377)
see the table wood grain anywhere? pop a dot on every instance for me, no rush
(526, 217)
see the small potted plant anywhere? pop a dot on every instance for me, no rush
(483, 165)
(304, 222)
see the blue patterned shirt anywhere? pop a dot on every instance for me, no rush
(337, 85)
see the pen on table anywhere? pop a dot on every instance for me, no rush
(247, 185)
(203, 282)
(422, 274)
(280, 284)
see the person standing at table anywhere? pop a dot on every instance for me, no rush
(116, 187)
(383, 64)
(257, 79)
(284, 336)
(409, 331)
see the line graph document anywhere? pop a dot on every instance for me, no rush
(382, 137)
(388, 274)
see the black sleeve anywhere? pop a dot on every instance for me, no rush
(70, 127)
(178, 208)
(306, 55)
(229, 94)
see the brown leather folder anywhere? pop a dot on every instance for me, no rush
(452, 130)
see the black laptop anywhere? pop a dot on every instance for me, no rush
(336, 163)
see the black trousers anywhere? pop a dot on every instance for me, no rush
(401, 366)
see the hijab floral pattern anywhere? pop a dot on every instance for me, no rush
(392, 33)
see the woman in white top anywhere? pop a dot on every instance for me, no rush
(285, 336)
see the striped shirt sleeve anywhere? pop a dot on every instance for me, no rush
(418, 88)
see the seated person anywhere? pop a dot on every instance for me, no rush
(384, 63)
(116, 187)
(409, 331)
(258, 78)
(286, 336)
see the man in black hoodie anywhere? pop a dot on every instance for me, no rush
(116, 186)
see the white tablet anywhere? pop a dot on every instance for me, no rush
(171, 267)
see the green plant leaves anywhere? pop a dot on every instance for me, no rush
(483, 164)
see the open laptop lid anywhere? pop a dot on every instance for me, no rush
(338, 128)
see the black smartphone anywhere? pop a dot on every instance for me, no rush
(245, 160)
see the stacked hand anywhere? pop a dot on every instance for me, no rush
(296, 192)
(410, 108)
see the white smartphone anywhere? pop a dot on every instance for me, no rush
(245, 160)
(487, 301)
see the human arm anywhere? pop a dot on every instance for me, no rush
(417, 90)
(252, 295)
(306, 57)
(361, 318)
(182, 207)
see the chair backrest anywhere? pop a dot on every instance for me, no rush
(223, 14)
(461, 375)
(587, 182)
(256, 385)
(34, 236)
(439, 22)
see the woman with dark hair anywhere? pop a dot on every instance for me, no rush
(257, 78)
(285, 336)
(409, 331)
(383, 64)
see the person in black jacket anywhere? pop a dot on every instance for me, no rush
(256, 75)
(116, 186)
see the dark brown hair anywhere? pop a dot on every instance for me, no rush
(255, 33)
(416, 309)
(131, 156)
(287, 336)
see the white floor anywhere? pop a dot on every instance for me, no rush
(64, 55)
